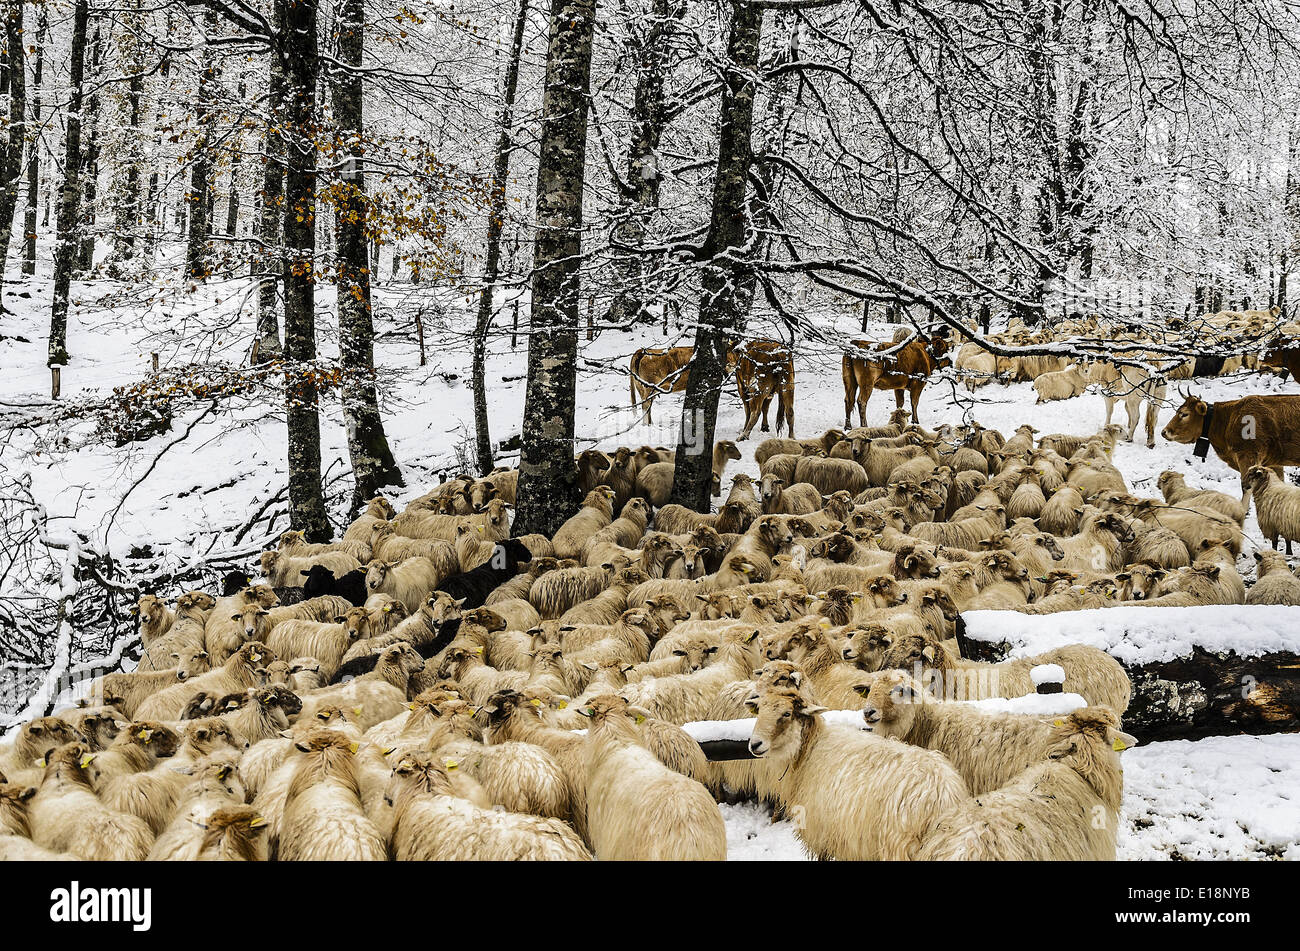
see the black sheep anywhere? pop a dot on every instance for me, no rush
(477, 583)
(351, 586)
(234, 582)
(430, 648)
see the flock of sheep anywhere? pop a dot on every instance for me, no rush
(430, 688)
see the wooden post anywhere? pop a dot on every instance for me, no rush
(153, 360)
(866, 313)
(419, 334)
(514, 327)
(56, 382)
(591, 329)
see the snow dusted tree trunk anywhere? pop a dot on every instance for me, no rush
(373, 465)
(492, 261)
(65, 238)
(90, 159)
(199, 199)
(548, 486)
(725, 248)
(11, 162)
(298, 46)
(127, 212)
(34, 151)
(270, 260)
(648, 47)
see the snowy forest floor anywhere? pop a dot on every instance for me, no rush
(1223, 797)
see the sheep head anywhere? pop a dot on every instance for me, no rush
(782, 717)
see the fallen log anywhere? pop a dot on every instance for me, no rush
(1217, 670)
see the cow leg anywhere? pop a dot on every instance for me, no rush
(1110, 408)
(864, 394)
(1152, 411)
(787, 405)
(915, 391)
(767, 401)
(1132, 406)
(850, 378)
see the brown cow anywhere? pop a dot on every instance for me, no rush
(654, 371)
(1251, 431)
(764, 368)
(908, 369)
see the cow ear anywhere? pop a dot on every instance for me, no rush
(1202, 407)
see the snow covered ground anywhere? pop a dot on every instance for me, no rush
(1215, 798)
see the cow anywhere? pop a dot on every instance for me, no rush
(764, 368)
(906, 369)
(1251, 431)
(1130, 385)
(654, 371)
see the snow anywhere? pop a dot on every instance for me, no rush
(1033, 704)
(1135, 635)
(1047, 674)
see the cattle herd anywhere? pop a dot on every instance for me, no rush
(430, 687)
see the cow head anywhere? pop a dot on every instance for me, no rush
(1188, 421)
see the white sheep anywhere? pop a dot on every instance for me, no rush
(1277, 505)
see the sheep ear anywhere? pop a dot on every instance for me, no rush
(339, 619)
(812, 709)
(1122, 741)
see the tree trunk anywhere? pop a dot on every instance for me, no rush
(548, 486)
(65, 239)
(128, 216)
(492, 262)
(721, 309)
(11, 162)
(298, 47)
(373, 465)
(199, 199)
(90, 174)
(649, 51)
(270, 259)
(34, 150)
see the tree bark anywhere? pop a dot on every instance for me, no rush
(90, 158)
(65, 240)
(649, 50)
(492, 259)
(373, 465)
(14, 80)
(548, 486)
(34, 150)
(199, 198)
(726, 248)
(127, 216)
(298, 47)
(270, 260)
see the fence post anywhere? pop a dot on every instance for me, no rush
(56, 382)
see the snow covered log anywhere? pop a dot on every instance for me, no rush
(1196, 672)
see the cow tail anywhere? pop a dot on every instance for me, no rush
(634, 371)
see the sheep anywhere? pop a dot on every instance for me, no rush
(858, 796)
(1089, 672)
(153, 618)
(375, 696)
(963, 533)
(98, 726)
(1061, 384)
(1276, 584)
(1176, 492)
(324, 640)
(282, 568)
(1067, 445)
(16, 844)
(34, 741)
(194, 609)
(494, 520)
(988, 749)
(829, 475)
(685, 697)
(377, 509)
(67, 816)
(801, 498)
(597, 511)
(1277, 506)
(674, 519)
(387, 545)
(410, 581)
(659, 554)
(1099, 545)
(473, 587)
(432, 823)
(209, 787)
(624, 532)
(1051, 811)
(637, 808)
(1197, 526)
(295, 544)
(237, 674)
(235, 833)
(557, 591)
(130, 689)
(323, 817)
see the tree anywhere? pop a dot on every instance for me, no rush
(492, 257)
(373, 465)
(724, 253)
(298, 46)
(199, 198)
(548, 488)
(269, 261)
(34, 150)
(66, 242)
(14, 81)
